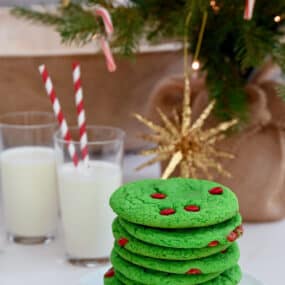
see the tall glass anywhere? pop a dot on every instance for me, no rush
(84, 193)
(28, 176)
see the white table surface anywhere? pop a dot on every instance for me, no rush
(262, 252)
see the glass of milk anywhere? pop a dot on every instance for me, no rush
(84, 193)
(28, 176)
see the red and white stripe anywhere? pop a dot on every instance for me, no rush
(109, 29)
(81, 117)
(58, 113)
(110, 62)
(107, 20)
(248, 11)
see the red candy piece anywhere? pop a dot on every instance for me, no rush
(194, 271)
(158, 196)
(232, 236)
(192, 208)
(224, 251)
(167, 212)
(110, 273)
(213, 243)
(216, 191)
(239, 230)
(122, 242)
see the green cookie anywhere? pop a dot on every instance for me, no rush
(114, 281)
(119, 279)
(174, 203)
(125, 280)
(183, 238)
(110, 277)
(146, 249)
(215, 263)
(147, 276)
(231, 276)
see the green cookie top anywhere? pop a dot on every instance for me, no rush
(231, 276)
(184, 238)
(174, 203)
(147, 276)
(215, 263)
(146, 249)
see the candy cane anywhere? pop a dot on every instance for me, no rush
(58, 113)
(109, 29)
(81, 118)
(248, 11)
(106, 17)
(110, 62)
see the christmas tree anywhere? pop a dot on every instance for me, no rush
(231, 48)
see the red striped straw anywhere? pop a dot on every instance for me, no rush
(109, 29)
(58, 113)
(81, 118)
(248, 11)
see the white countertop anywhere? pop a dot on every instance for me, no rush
(262, 252)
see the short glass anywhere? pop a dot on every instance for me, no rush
(28, 176)
(84, 193)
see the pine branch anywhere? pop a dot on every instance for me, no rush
(129, 30)
(75, 24)
(253, 45)
(278, 55)
(227, 88)
(35, 16)
(78, 26)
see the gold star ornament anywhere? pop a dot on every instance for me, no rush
(186, 145)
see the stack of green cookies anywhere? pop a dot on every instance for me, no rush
(175, 231)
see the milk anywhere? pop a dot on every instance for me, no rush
(29, 188)
(86, 214)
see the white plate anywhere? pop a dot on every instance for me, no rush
(96, 278)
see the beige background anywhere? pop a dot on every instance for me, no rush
(110, 98)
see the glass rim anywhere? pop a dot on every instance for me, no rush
(120, 134)
(22, 114)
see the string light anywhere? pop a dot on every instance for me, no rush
(277, 19)
(214, 6)
(65, 3)
(195, 65)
